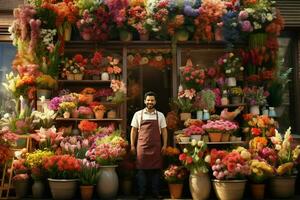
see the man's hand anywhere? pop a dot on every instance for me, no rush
(133, 150)
(163, 149)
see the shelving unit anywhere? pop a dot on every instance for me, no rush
(80, 119)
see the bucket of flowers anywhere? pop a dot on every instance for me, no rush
(175, 176)
(63, 173)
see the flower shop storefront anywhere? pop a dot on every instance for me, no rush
(81, 70)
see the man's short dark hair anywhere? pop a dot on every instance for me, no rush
(150, 93)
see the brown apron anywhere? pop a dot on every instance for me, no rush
(149, 145)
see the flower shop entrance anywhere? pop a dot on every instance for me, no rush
(146, 78)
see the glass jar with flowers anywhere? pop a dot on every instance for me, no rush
(175, 175)
(73, 69)
(184, 103)
(231, 64)
(230, 170)
(88, 177)
(288, 157)
(194, 159)
(99, 111)
(45, 83)
(87, 128)
(236, 95)
(220, 130)
(63, 172)
(255, 97)
(34, 161)
(66, 108)
(89, 93)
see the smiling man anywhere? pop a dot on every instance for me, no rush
(148, 127)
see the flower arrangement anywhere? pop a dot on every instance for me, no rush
(184, 100)
(99, 108)
(229, 165)
(62, 167)
(175, 174)
(75, 146)
(119, 89)
(260, 171)
(54, 103)
(7, 140)
(259, 125)
(194, 158)
(231, 64)
(236, 91)
(205, 99)
(45, 82)
(20, 170)
(88, 90)
(113, 67)
(85, 112)
(256, 96)
(117, 9)
(46, 117)
(171, 155)
(34, 161)
(67, 106)
(88, 174)
(48, 139)
(87, 126)
(193, 77)
(103, 92)
(137, 16)
(76, 65)
(109, 149)
(193, 130)
(288, 157)
(220, 126)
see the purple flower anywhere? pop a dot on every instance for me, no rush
(54, 103)
(190, 12)
(246, 26)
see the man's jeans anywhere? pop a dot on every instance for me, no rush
(143, 175)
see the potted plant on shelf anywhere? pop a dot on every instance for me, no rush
(230, 170)
(89, 93)
(88, 177)
(220, 130)
(193, 76)
(73, 69)
(66, 108)
(255, 97)
(184, 103)
(175, 176)
(87, 128)
(63, 172)
(85, 112)
(99, 111)
(236, 95)
(45, 83)
(195, 159)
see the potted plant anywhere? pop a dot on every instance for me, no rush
(45, 83)
(75, 146)
(193, 77)
(204, 100)
(255, 97)
(85, 112)
(220, 130)
(236, 94)
(63, 172)
(73, 69)
(87, 128)
(89, 93)
(230, 170)
(194, 131)
(194, 159)
(66, 108)
(99, 111)
(184, 103)
(34, 161)
(175, 176)
(20, 179)
(88, 177)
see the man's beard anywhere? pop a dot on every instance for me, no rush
(150, 106)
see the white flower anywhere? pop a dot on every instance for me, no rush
(194, 142)
(269, 17)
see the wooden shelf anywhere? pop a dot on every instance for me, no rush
(231, 105)
(83, 81)
(80, 119)
(218, 143)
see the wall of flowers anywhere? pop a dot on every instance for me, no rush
(241, 78)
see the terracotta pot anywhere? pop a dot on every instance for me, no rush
(63, 189)
(215, 137)
(229, 189)
(78, 77)
(257, 191)
(144, 37)
(175, 190)
(99, 114)
(75, 114)
(70, 77)
(200, 186)
(108, 182)
(67, 115)
(225, 137)
(86, 192)
(282, 187)
(112, 114)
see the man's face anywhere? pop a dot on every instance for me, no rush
(150, 102)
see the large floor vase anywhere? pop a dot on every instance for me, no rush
(200, 186)
(63, 189)
(229, 189)
(108, 182)
(38, 189)
(21, 188)
(282, 187)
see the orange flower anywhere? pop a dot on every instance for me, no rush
(88, 90)
(99, 108)
(87, 126)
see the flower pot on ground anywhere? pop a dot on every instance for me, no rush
(175, 175)
(63, 189)
(229, 189)
(108, 182)
(175, 190)
(21, 187)
(200, 185)
(38, 189)
(88, 177)
(282, 186)
(86, 192)
(257, 191)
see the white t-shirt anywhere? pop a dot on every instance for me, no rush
(136, 120)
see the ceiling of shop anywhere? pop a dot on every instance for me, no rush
(290, 12)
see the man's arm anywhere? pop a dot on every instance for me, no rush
(164, 133)
(133, 135)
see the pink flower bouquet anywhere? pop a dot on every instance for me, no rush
(220, 126)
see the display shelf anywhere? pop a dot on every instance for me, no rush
(83, 81)
(231, 105)
(218, 143)
(80, 119)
